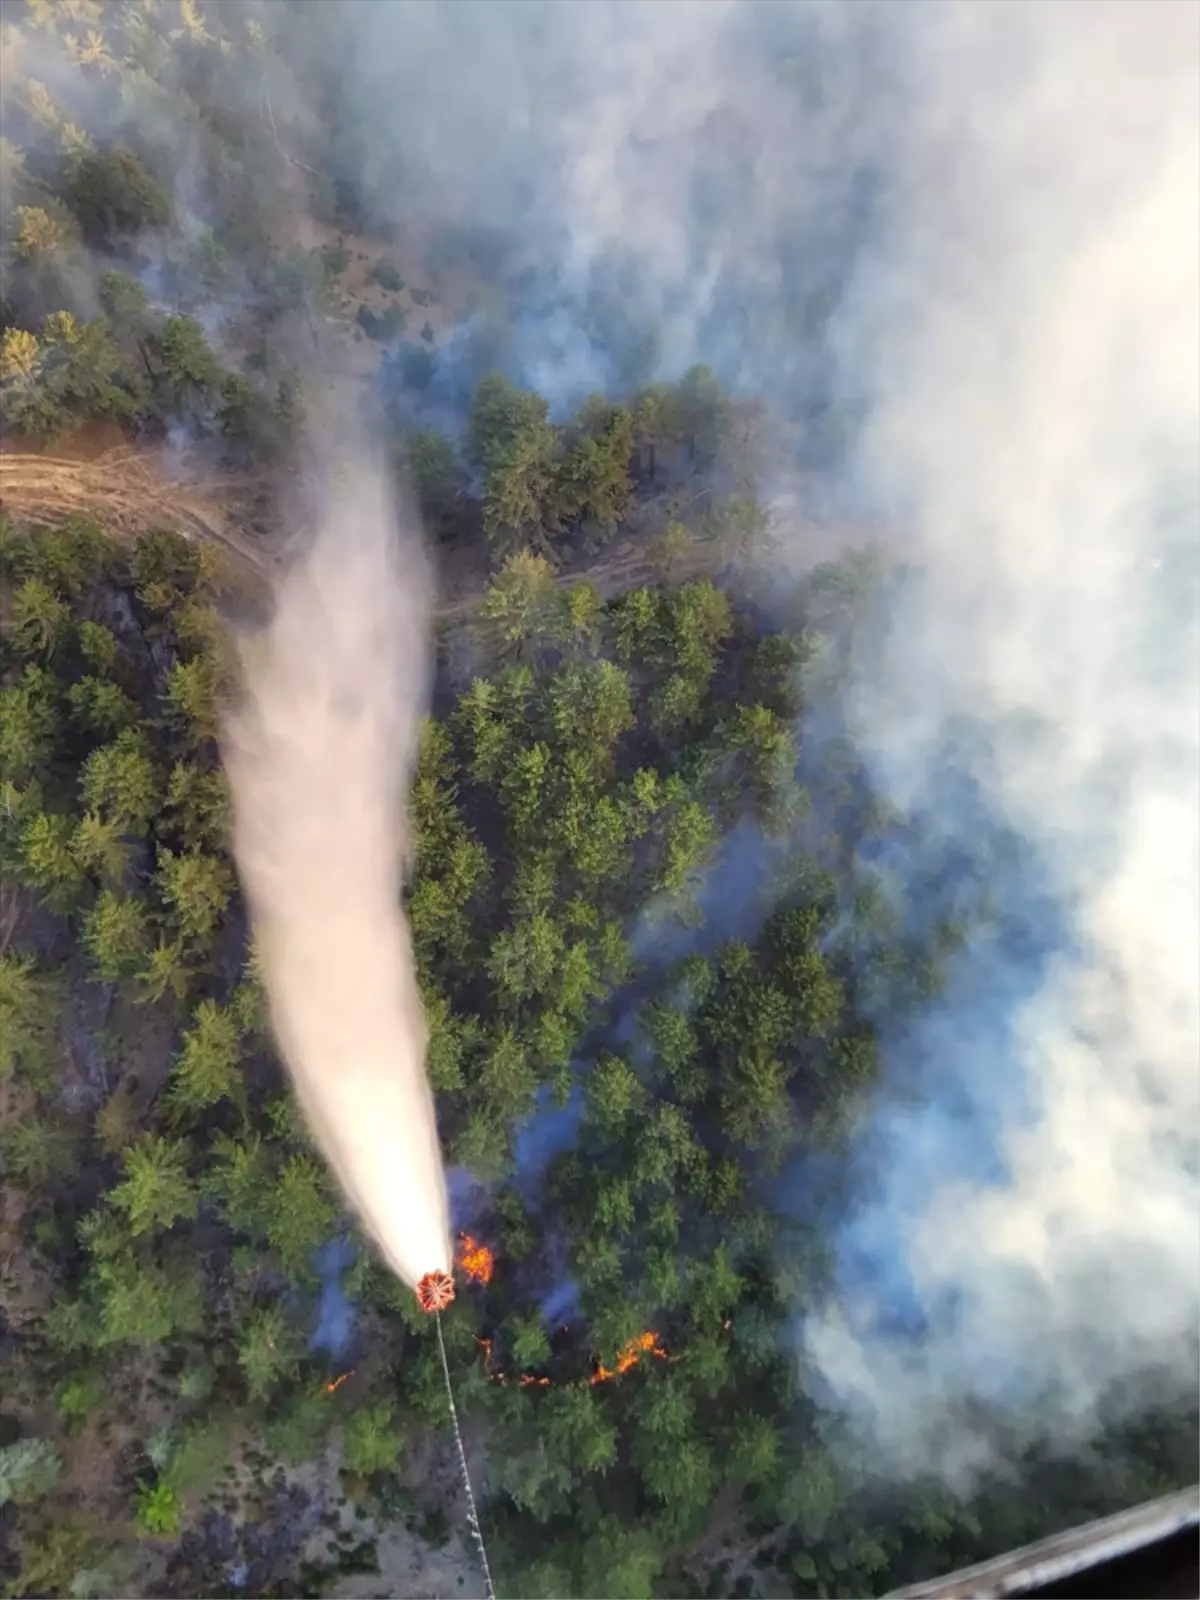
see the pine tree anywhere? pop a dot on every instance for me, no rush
(198, 1456)
(755, 1450)
(157, 1191)
(117, 1121)
(242, 1179)
(299, 1431)
(144, 1304)
(206, 1069)
(198, 801)
(48, 863)
(593, 485)
(73, 370)
(125, 304)
(29, 724)
(164, 568)
(197, 887)
(40, 620)
(119, 782)
(518, 609)
(612, 1092)
(372, 1441)
(99, 706)
(28, 1012)
(37, 1148)
(193, 694)
(114, 196)
(191, 372)
(72, 556)
(98, 647)
(248, 1002)
(115, 935)
(267, 1351)
(36, 233)
(302, 1213)
(99, 846)
(669, 552)
(167, 971)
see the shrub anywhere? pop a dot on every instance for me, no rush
(381, 326)
(28, 1469)
(386, 276)
(158, 1510)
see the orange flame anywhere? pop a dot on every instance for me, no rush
(332, 1388)
(631, 1353)
(475, 1259)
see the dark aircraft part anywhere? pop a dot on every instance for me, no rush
(1149, 1553)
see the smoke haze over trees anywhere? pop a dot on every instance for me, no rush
(844, 900)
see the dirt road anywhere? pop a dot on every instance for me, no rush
(128, 493)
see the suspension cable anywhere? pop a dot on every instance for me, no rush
(472, 1514)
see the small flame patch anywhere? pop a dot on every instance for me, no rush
(631, 1353)
(475, 1259)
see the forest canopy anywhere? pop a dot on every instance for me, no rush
(660, 946)
(172, 1212)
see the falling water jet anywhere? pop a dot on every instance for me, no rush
(318, 754)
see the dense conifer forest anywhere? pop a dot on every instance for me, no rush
(657, 943)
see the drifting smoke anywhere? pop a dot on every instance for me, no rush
(960, 245)
(318, 757)
(1033, 339)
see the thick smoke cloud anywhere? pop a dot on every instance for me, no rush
(959, 247)
(1030, 342)
(651, 185)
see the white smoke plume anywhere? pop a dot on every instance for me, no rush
(319, 755)
(1032, 339)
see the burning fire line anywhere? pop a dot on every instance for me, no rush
(631, 1353)
(332, 1388)
(477, 1262)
